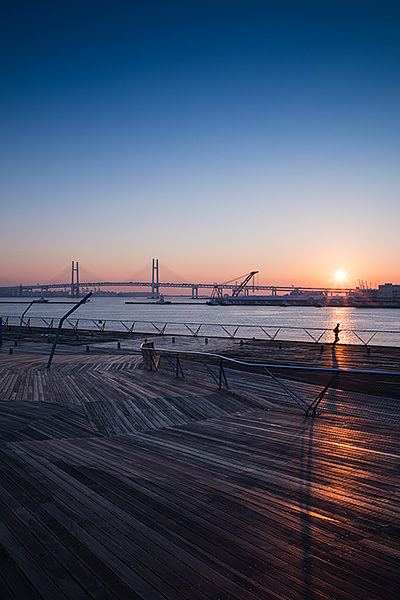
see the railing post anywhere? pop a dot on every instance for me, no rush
(22, 319)
(312, 409)
(220, 374)
(178, 366)
(53, 349)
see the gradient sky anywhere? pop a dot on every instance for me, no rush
(219, 136)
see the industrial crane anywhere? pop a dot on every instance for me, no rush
(245, 281)
(217, 295)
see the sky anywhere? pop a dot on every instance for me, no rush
(221, 137)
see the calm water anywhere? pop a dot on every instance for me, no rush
(271, 317)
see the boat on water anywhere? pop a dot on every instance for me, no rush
(276, 300)
(161, 300)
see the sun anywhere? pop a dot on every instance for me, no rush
(340, 275)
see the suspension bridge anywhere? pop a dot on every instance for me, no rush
(74, 287)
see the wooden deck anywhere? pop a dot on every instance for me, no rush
(121, 483)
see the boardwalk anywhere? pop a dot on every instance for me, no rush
(121, 483)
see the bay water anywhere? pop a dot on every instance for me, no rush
(150, 317)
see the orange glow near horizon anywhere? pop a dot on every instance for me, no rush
(53, 269)
(114, 262)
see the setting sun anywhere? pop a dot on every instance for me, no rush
(340, 275)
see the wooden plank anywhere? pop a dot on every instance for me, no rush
(186, 492)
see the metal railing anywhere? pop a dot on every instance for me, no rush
(220, 330)
(299, 383)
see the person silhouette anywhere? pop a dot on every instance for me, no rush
(336, 332)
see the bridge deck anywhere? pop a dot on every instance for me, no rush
(120, 483)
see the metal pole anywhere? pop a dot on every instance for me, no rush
(157, 279)
(53, 349)
(314, 405)
(22, 319)
(72, 278)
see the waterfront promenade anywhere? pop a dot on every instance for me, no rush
(118, 482)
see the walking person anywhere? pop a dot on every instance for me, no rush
(336, 332)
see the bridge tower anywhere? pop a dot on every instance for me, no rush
(75, 279)
(155, 281)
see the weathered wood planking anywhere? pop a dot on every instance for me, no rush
(131, 484)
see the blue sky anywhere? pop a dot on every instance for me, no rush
(218, 136)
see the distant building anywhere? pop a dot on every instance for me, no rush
(9, 292)
(386, 296)
(388, 291)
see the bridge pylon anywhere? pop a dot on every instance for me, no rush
(75, 279)
(155, 280)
